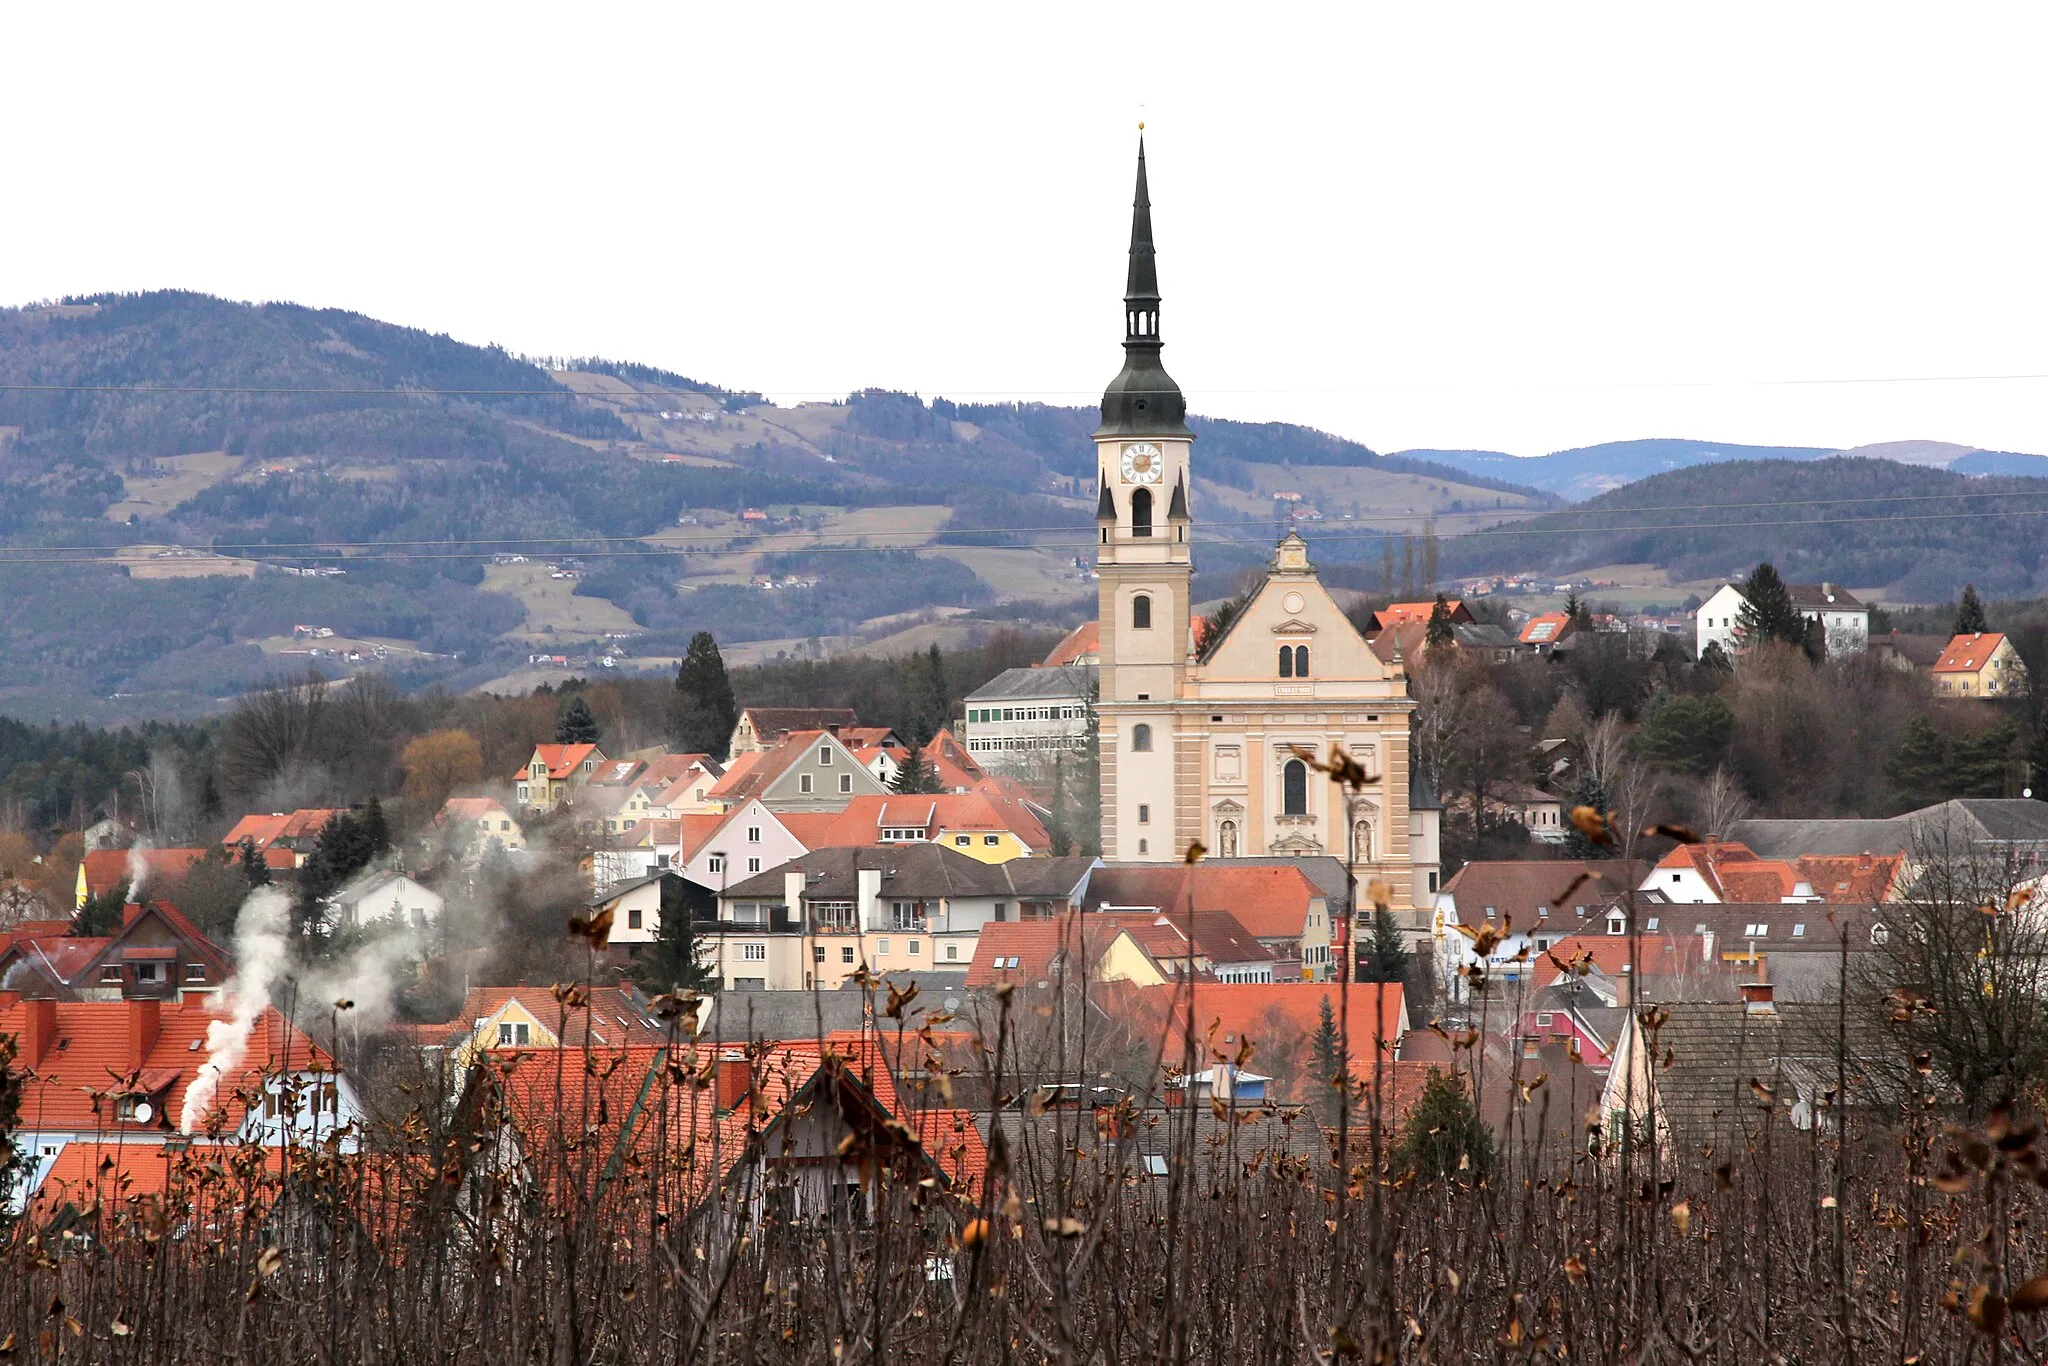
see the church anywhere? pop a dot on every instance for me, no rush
(1204, 748)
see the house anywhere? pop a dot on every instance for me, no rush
(1277, 902)
(156, 954)
(1024, 716)
(108, 832)
(1983, 664)
(805, 770)
(820, 919)
(956, 769)
(1417, 614)
(1532, 905)
(1542, 633)
(1844, 621)
(1081, 646)
(478, 822)
(1539, 812)
(762, 728)
(749, 839)
(1708, 1061)
(1724, 870)
(1909, 653)
(536, 1017)
(139, 1073)
(554, 774)
(385, 894)
(104, 870)
(1149, 950)
(680, 785)
(986, 824)
(297, 831)
(639, 906)
(1277, 1019)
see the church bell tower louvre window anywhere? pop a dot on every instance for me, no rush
(1141, 512)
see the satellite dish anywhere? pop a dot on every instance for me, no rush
(144, 1112)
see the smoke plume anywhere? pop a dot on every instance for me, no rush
(138, 870)
(261, 952)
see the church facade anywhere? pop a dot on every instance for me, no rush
(1207, 748)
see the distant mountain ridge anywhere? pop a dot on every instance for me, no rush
(1911, 532)
(1589, 471)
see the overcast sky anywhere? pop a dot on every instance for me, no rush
(1512, 227)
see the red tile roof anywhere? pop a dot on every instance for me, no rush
(1417, 613)
(84, 1046)
(1038, 948)
(1735, 874)
(956, 768)
(1219, 937)
(1271, 901)
(951, 1137)
(471, 809)
(303, 824)
(1967, 654)
(1657, 955)
(1274, 1016)
(1547, 629)
(609, 1019)
(106, 869)
(1084, 640)
(984, 809)
(759, 770)
(560, 759)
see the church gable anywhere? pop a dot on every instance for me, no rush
(1293, 609)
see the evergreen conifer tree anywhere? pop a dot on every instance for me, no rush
(917, 773)
(1327, 1050)
(705, 710)
(576, 725)
(1970, 612)
(1444, 1136)
(1386, 957)
(376, 834)
(254, 866)
(931, 696)
(670, 963)
(1919, 768)
(1438, 632)
(1767, 612)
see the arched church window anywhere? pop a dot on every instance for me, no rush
(1287, 661)
(1141, 513)
(1294, 789)
(1226, 839)
(1141, 738)
(1301, 661)
(1141, 613)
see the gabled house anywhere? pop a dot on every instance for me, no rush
(298, 831)
(103, 870)
(819, 919)
(1149, 950)
(807, 770)
(1542, 633)
(748, 840)
(1532, 905)
(639, 906)
(554, 775)
(987, 824)
(537, 1018)
(762, 728)
(1080, 646)
(480, 821)
(1843, 619)
(1283, 909)
(101, 1072)
(1983, 665)
(1417, 614)
(157, 954)
(1723, 870)
(385, 894)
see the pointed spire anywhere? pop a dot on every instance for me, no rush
(1105, 506)
(1143, 400)
(1178, 510)
(1141, 286)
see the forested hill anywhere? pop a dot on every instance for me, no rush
(1916, 533)
(160, 427)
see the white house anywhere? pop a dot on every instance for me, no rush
(1843, 618)
(1026, 714)
(386, 894)
(753, 840)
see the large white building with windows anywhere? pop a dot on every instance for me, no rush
(1023, 716)
(1210, 749)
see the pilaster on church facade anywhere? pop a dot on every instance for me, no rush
(1213, 750)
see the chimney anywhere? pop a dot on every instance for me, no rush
(129, 910)
(39, 1032)
(1706, 946)
(145, 1026)
(732, 1078)
(1756, 999)
(867, 907)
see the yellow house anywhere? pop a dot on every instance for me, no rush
(987, 826)
(1981, 664)
(532, 1017)
(554, 774)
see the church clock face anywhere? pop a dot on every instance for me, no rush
(1143, 463)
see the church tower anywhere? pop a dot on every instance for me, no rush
(1144, 531)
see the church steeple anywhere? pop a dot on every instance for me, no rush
(1143, 400)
